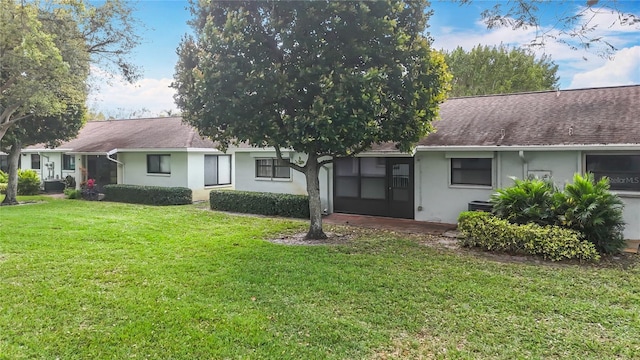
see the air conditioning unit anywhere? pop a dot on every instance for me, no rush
(479, 205)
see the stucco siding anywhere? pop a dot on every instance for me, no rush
(197, 174)
(135, 170)
(440, 201)
(54, 170)
(246, 180)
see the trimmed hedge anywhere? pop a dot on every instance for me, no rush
(551, 242)
(261, 203)
(148, 195)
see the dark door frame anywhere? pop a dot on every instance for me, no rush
(391, 205)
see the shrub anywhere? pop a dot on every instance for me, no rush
(149, 195)
(551, 242)
(3, 188)
(72, 193)
(28, 182)
(4, 177)
(260, 203)
(589, 207)
(525, 202)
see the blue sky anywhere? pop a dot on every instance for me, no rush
(451, 25)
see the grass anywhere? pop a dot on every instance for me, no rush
(82, 280)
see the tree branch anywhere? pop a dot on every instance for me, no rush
(291, 165)
(8, 83)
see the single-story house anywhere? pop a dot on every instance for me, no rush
(479, 143)
(156, 151)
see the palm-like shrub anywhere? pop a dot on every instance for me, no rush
(527, 201)
(4, 177)
(589, 207)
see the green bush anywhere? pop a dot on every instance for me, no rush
(551, 242)
(527, 201)
(260, 203)
(72, 193)
(589, 207)
(4, 177)
(3, 188)
(28, 182)
(586, 206)
(149, 195)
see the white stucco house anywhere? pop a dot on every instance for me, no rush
(156, 151)
(479, 144)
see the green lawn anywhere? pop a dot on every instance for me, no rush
(99, 280)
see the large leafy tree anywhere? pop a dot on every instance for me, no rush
(499, 70)
(45, 56)
(43, 42)
(324, 78)
(31, 66)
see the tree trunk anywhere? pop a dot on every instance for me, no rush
(12, 186)
(315, 205)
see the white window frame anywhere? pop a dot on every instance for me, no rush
(218, 170)
(272, 177)
(451, 158)
(159, 172)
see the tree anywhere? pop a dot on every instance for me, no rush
(575, 29)
(498, 70)
(324, 78)
(35, 37)
(32, 67)
(50, 130)
(45, 67)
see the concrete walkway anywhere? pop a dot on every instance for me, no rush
(378, 222)
(415, 227)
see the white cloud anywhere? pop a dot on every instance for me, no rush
(622, 69)
(114, 96)
(448, 39)
(577, 68)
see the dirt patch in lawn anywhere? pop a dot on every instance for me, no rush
(333, 238)
(341, 235)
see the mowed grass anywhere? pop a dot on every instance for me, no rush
(99, 280)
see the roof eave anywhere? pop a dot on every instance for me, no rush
(572, 147)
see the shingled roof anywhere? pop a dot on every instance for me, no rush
(596, 116)
(152, 133)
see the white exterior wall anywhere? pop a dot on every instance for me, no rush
(135, 169)
(245, 177)
(53, 172)
(195, 180)
(442, 202)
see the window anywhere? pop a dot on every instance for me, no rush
(471, 171)
(363, 178)
(623, 171)
(35, 161)
(272, 168)
(217, 170)
(159, 164)
(68, 162)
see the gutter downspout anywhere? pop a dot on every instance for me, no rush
(42, 165)
(525, 164)
(111, 152)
